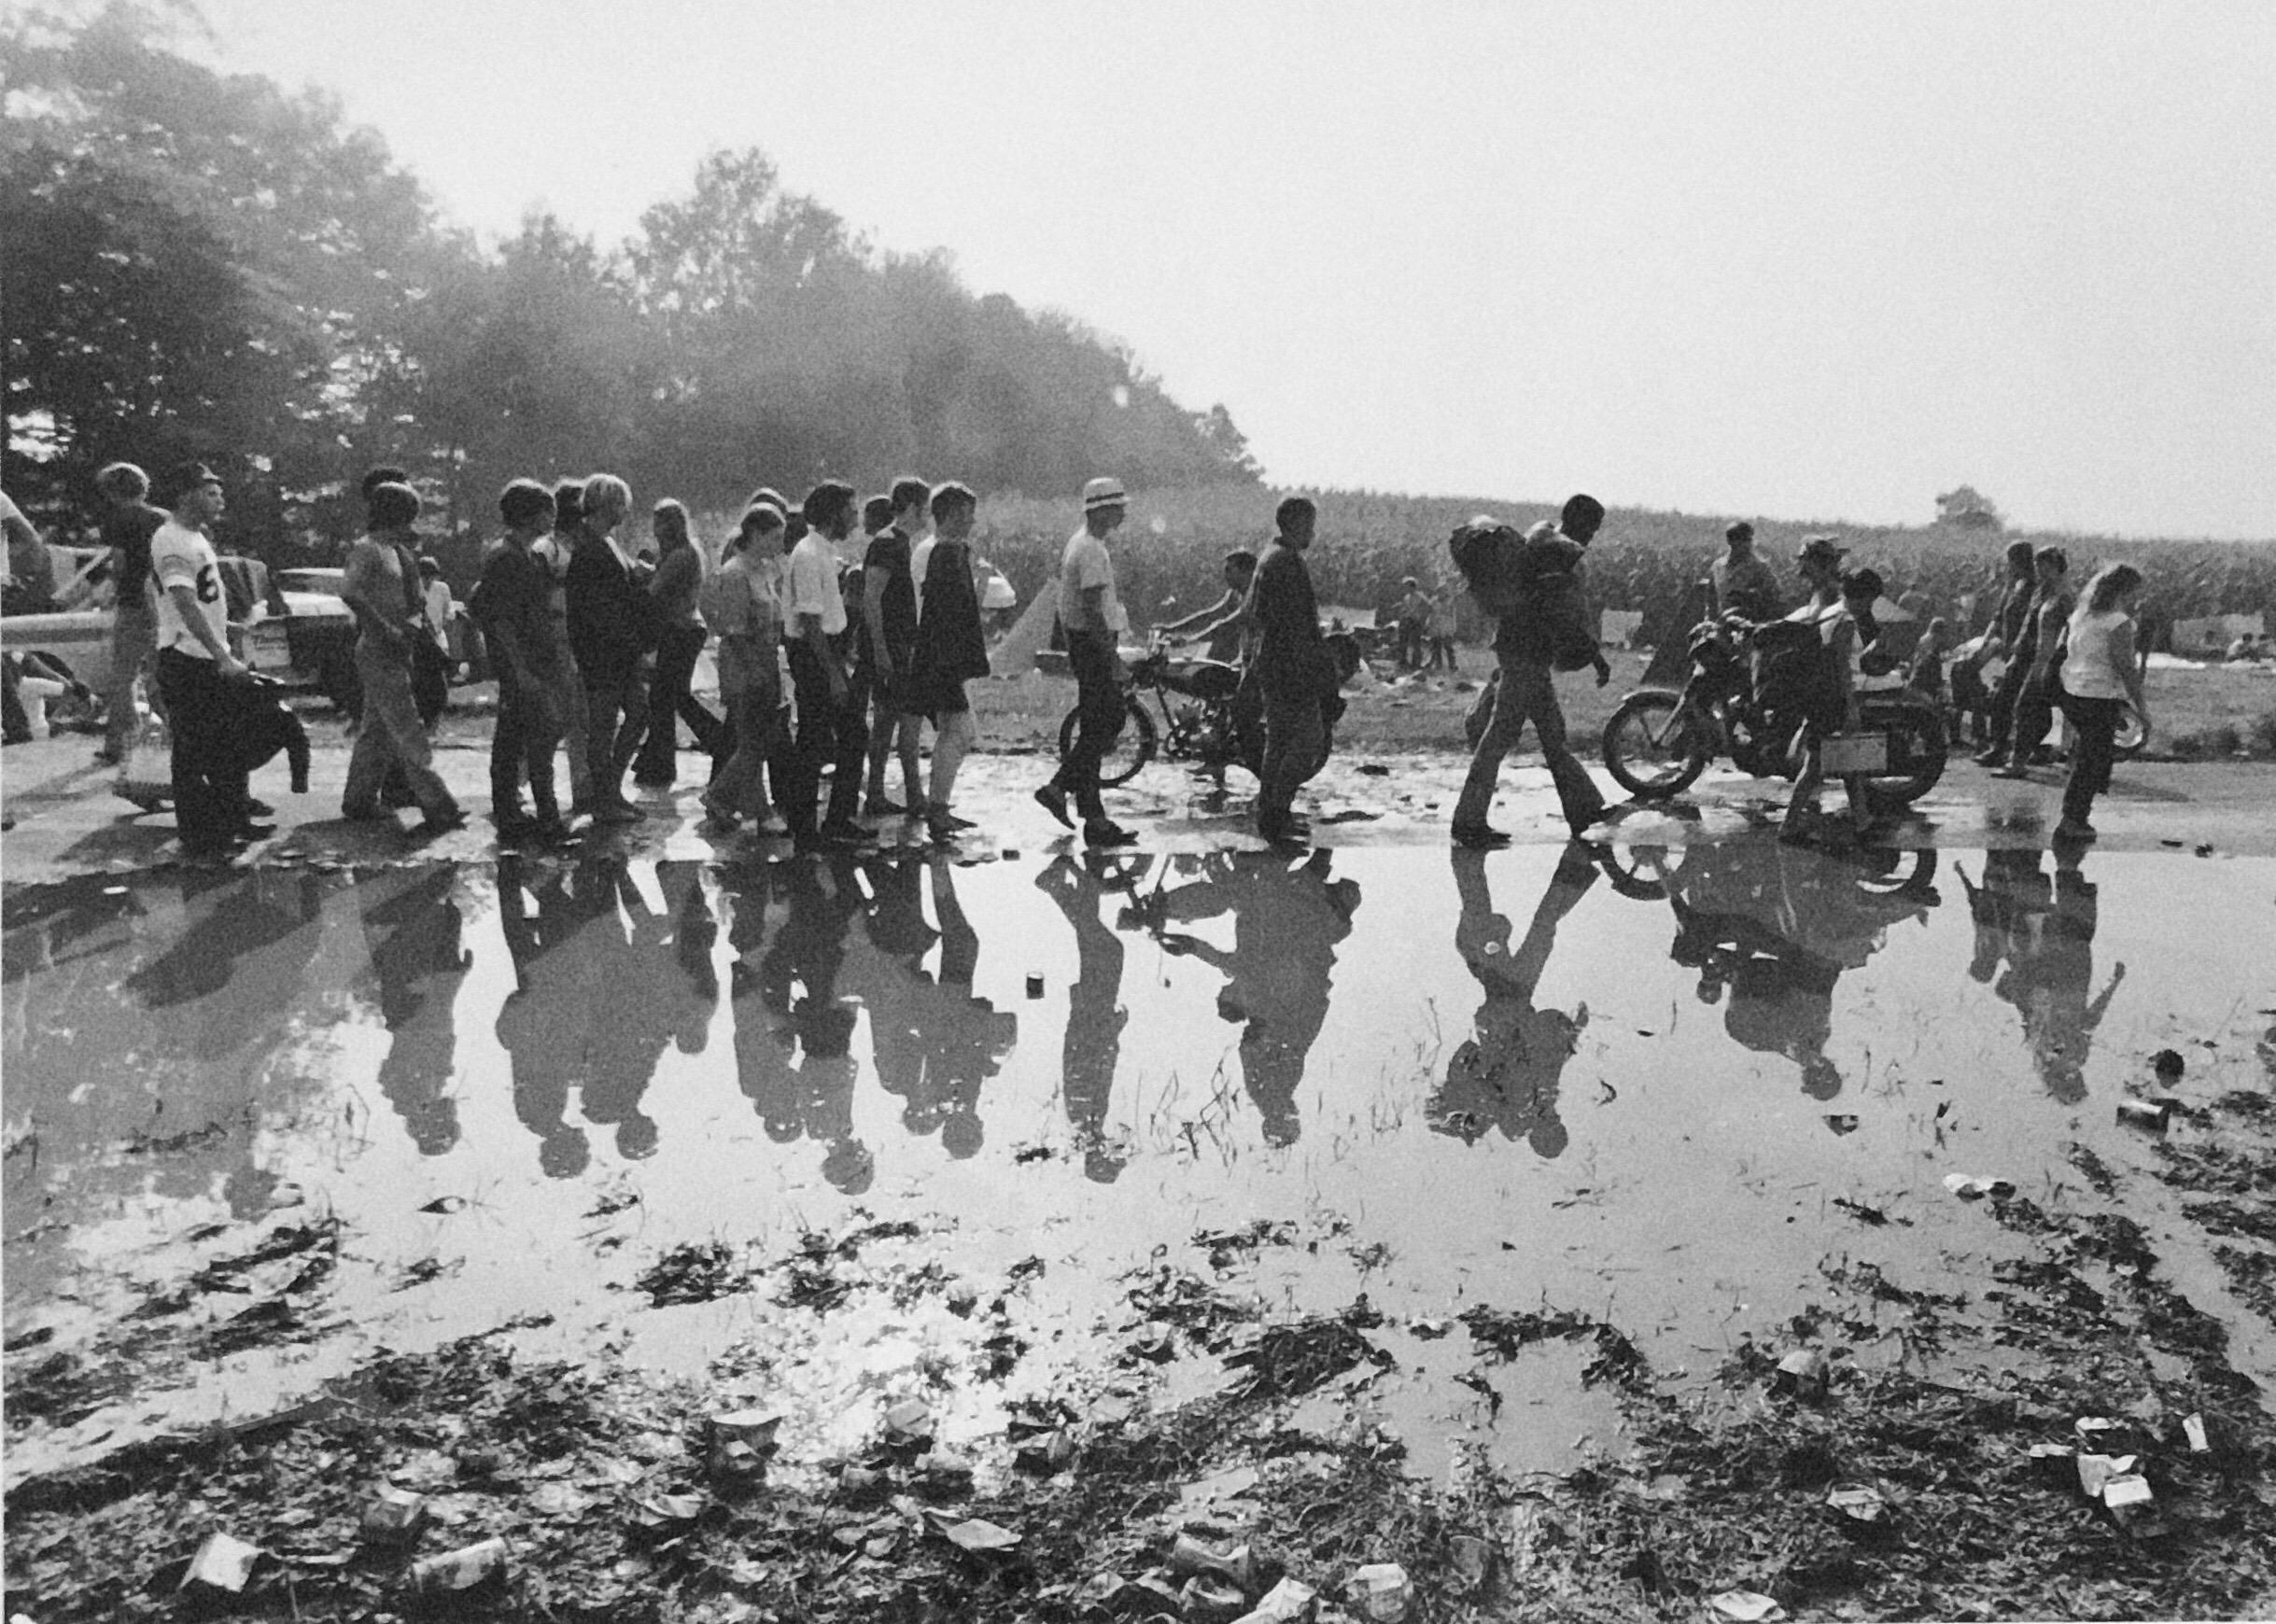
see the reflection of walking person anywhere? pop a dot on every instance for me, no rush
(2045, 935)
(1095, 1017)
(414, 931)
(1091, 616)
(1505, 1075)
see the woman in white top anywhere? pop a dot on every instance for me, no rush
(2100, 677)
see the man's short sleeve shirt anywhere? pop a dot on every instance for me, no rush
(813, 583)
(180, 557)
(1087, 564)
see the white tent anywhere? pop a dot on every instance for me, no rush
(1014, 656)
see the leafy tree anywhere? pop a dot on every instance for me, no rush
(1966, 507)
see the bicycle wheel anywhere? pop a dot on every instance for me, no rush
(1652, 747)
(1133, 747)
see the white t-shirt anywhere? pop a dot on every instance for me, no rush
(1087, 564)
(921, 555)
(438, 605)
(2088, 670)
(182, 556)
(813, 584)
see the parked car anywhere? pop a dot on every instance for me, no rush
(304, 636)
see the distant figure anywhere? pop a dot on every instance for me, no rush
(1413, 613)
(1292, 671)
(128, 527)
(2008, 627)
(1092, 617)
(1740, 582)
(2051, 605)
(381, 587)
(1221, 625)
(2100, 678)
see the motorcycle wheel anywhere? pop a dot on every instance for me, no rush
(1916, 754)
(1651, 748)
(1133, 747)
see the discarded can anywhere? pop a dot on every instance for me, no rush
(1208, 1596)
(1189, 1555)
(223, 1564)
(2193, 1429)
(1802, 1373)
(459, 1573)
(2096, 1471)
(1034, 986)
(2128, 1501)
(394, 1517)
(1291, 1601)
(740, 1441)
(2154, 1115)
(1382, 1592)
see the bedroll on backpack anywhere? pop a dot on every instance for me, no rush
(1486, 551)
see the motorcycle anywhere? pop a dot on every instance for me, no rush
(1659, 741)
(1198, 722)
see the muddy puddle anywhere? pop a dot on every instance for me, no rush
(839, 1134)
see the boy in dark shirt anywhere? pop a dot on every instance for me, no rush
(513, 604)
(889, 638)
(1289, 670)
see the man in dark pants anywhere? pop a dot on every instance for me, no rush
(1091, 616)
(513, 605)
(831, 726)
(2052, 601)
(1526, 648)
(380, 586)
(1290, 671)
(2014, 617)
(611, 626)
(198, 674)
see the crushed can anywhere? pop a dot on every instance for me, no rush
(1291, 1601)
(1234, 1564)
(1803, 1372)
(1382, 1593)
(223, 1566)
(2193, 1432)
(1208, 1596)
(479, 1567)
(2151, 1115)
(393, 1517)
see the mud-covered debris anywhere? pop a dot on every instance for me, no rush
(1841, 1122)
(1381, 1592)
(223, 1566)
(2193, 1432)
(1209, 1599)
(1289, 1601)
(1473, 1561)
(1803, 1372)
(737, 1442)
(1428, 1330)
(1860, 1509)
(1189, 1554)
(2055, 1465)
(1044, 1454)
(1973, 1187)
(1289, 1361)
(483, 1569)
(393, 1517)
(980, 1537)
(909, 1426)
(696, 1272)
(2167, 1066)
(2156, 1116)
(1230, 1484)
(660, 1519)
(445, 1205)
(2096, 1471)
(1745, 1606)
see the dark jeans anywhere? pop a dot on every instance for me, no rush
(828, 731)
(1295, 744)
(522, 749)
(2003, 699)
(1526, 692)
(2091, 753)
(1098, 699)
(616, 718)
(209, 775)
(670, 702)
(2033, 715)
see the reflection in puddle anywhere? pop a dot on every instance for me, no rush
(1603, 1081)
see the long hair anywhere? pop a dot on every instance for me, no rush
(2111, 582)
(671, 522)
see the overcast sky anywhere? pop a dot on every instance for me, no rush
(1795, 260)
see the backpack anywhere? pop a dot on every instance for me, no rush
(1486, 550)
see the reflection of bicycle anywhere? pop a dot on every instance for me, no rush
(1194, 699)
(1656, 873)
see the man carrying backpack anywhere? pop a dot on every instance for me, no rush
(1541, 613)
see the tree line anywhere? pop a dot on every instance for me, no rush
(201, 265)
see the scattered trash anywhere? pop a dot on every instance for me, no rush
(1291, 1601)
(1969, 1187)
(1233, 1564)
(2167, 1064)
(1841, 1123)
(909, 1425)
(1803, 1372)
(2096, 1471)
(2056, 1465)
(1348, 815)
(2153, 1115)
(1746, 1606)
(1230, 1484)
(664, 1517)
(1040, 1457)
(1861, 1507)
(1473, 1561)
(222, 1567)
(445, 1204)
(394, 1517)
(1382, 1592)
(1375, 770)
(457, 1574)
(980, 1537)
(2130, 1503)
(1034, 986)
(1207, 1597)
(2193, 1430)
(740, 1443)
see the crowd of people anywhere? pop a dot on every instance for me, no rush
(836, 650)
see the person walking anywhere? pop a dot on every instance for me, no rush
(2008, 625)
(511, 604)
(676, 587)
(951, 650)
(1413, 622)
(381, 588)
(831, 726)
(554, 551)
(2041, 657)
(196, 672)
(888, 630)
(2100, 678)
(1526, 645)
(129, 522)
(612, 629)
(1093, 618)
(1844, 624)
(1289, 671)
(742, 603)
